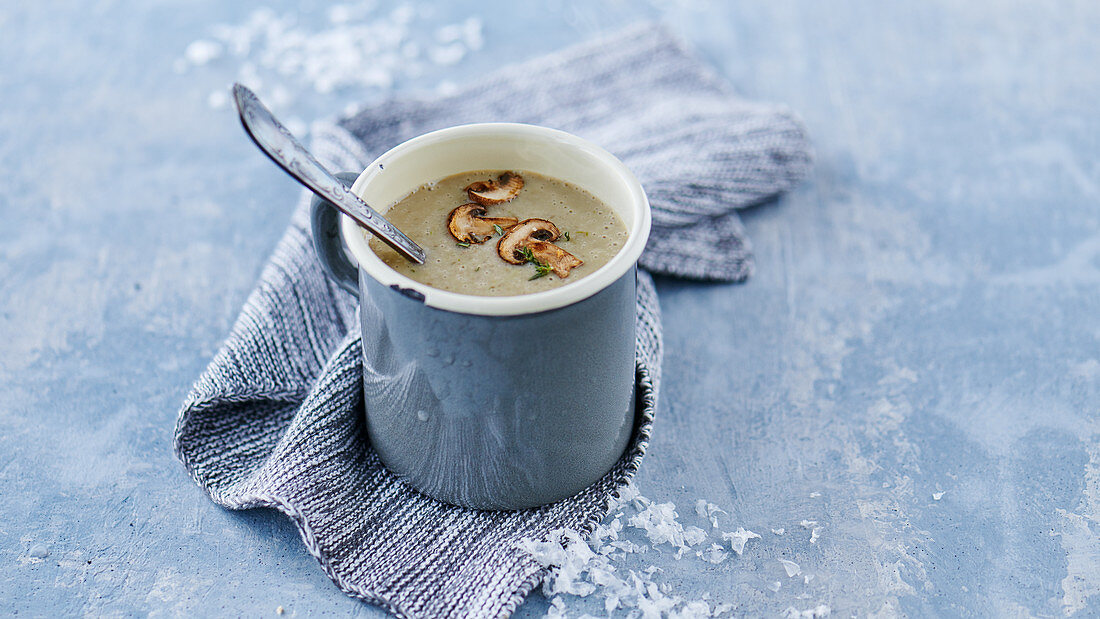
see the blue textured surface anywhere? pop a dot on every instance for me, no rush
(925, 316)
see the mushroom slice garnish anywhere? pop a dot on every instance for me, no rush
(488, 193)
(467, 225)
(536, 236)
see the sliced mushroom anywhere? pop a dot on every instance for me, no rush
(537, 235)
(468, 226)
(488, 193)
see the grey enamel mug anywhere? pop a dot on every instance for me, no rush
(494, 402)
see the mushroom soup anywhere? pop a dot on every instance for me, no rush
(503, 233)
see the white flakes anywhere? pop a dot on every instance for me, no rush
(779, 531)
(217, 99)
(471, 33)
(937, 495)
(448, 34)
(714, 554)
(807, 578)
(814, 495)
(692, 610)
(808, 524)
(791, 568)
(694, 535)
(721, 609)
(447, 55)
(709, 511)
(814, 534)
(628, 546)
(203, 51)
(738, 538)
(403, 14)
(589, 568)
(660, 525)
(361, 47)
(557, 609)
(701, 507)
(775, 586)
(813, 613)
(39, 551)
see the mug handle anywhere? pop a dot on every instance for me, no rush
(325, 220)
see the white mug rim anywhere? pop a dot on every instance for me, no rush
(562, 296)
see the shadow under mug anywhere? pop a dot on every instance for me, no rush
(494, 402)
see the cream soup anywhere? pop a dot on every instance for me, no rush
(586, 229)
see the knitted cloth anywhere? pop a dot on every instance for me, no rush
(276, 420)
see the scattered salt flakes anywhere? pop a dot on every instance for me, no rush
(362, 45)
(791, 568)
(447, 55)
(557, 609)
(738, 538)
(779, 531)
(203, 51)
(807, 578)
(471, 33)
(813, 613)
(654, 603)
(626, 494)
(339, 14)
(709, 511)
(808, 524)
(446, 88)
(217, 99)
(937, 495)
(694, 535)
(775, 586)
(659, 522)
(610, 603)
(714, 554)
(701, 507)
(448, 34)
(403, 14)
(721, 609)
(814, 495)
(814, 534)
(692, 610)
(607, 531)
(628, 546)
(586, 568)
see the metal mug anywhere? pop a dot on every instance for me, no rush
(494, 402)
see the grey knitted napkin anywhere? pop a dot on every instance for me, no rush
(276, 419)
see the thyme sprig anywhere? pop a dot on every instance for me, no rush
(542, 269)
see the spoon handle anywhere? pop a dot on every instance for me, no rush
(277, 142)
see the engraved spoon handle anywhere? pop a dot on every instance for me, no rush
(278, 144)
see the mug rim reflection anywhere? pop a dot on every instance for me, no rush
(568, 294)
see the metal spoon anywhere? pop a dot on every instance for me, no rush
(278, 144)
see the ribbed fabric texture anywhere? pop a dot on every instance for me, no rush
(276, 420)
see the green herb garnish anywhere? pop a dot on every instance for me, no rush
(541, 268)
(498, 229)
(463, 244)
(565, 236)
